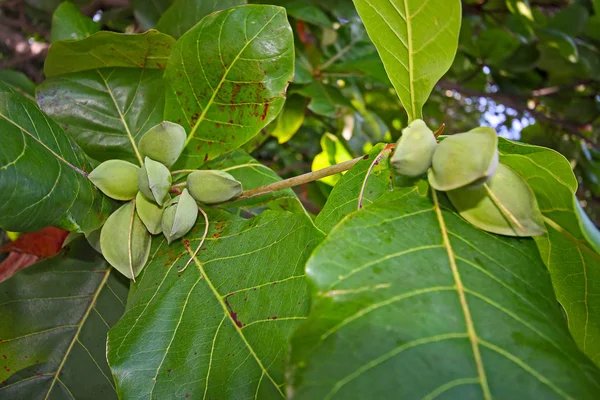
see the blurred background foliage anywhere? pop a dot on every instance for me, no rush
(528, 68)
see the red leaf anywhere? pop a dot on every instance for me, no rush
(29, 248)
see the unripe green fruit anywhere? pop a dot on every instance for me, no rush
(179, 216)
(513, 193)
(115, 238)
(163, 142)
(116, 178)
(464, 159)
(149, 213)
(414, 150)
(212, 187)
(154, 181)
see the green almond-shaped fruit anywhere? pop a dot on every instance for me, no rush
(212, 187)
(154, 181)
(163, 142)
(116, 178)
(115, 238)
(464, 159)
(149, 213)
(179, 216)
(512, 193)
(414, 149)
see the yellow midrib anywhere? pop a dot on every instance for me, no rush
(473, 338)
(409, 46)
(226, 312)
(79, 327)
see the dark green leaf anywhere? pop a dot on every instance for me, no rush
(55, 317)
(43, 173)
(106, 111)
(109, 49)
(325, 100)
(18, 81)
(343, 199)
(225, 91)
(496, 44)
(184, 14)
(570, 248)
(570, 20)
(408, 35)
(301, 10)
(68, 23)
(410, 301)
(148, 12)
(220, 329)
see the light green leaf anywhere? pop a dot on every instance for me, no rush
(43, 174)
(417, 41)
(109, 49)
(411, 301)
(573, 264)
(333, 153)
(290, 119)
(182, 15)
(343, 199)
(106, 111)
(220, 329)
(225, 91)
(68, 23)
(55, 317)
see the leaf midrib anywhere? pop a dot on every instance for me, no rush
(224, 77)
(227, 315)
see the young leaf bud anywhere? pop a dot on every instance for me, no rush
(116, 237)
(149, 213)
(414, 149)
(507, 206)
(464, 159)
(154, 181)
(212, 187)
(179, 216)
(116, 178)
(163, 142)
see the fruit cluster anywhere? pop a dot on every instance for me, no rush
(125, 238)
(485, 192)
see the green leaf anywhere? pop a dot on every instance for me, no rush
(417, 41)
(570, 20)
(106, 111)
(290, 119)
(555, 40)
(369, 65)
(220, 329)
(325, 100)
(410, 301)
(570, 248)
(55, 317)
(18, 81)
(68, 23)
(184, 14)
(225, 91)
(333, 153)
(253, 174)
(109, 49)
(496, 44)
(299, 9)
(43, 174)
(149, 12)
(343, 199)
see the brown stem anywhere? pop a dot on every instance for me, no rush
(301, 179)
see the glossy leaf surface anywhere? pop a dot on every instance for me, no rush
(410, 301)
(55, 317)
(59, 194)
(226, 90)
(219, 329)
